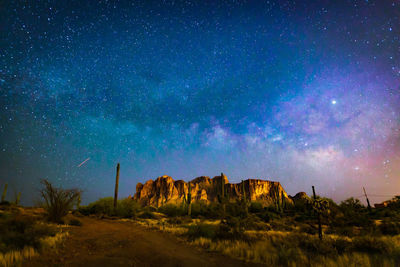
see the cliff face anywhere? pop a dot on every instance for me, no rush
(165, 190)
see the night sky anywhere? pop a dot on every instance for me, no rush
(297, 92)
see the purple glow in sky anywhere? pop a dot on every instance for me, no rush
(297, 92)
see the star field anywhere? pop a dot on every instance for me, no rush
(305, 93)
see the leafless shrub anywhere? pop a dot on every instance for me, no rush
(58, 201)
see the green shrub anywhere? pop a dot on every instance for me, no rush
(237, 209)
(321, 247)
(232, 228)
(255, 207)
(172, 210)
(308, 229)
(75, 222)
(126, 208)
(210, 211)
(147, 215)
(150, 209)
(342, 245)
(201, 230)
(17, 232)
(5, 203)
(389, 228)
(370, 244)
(101, 206)
(180, 220)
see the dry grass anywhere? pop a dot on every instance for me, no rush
(13, 258)
(162, 225)
(53, 241)
(266, 251)
(285, 248)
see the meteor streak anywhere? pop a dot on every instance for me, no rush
(83, 162)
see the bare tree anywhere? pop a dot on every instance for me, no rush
(58, 201)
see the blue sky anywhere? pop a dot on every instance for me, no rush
(293, 91)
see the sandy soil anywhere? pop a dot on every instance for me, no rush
(118, 243)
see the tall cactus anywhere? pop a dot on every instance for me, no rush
(244, 198)
(3, 196)
(222, 185)
(189, 200)
(78, 201)
(18, 198)
(184, 200)
(278, 200)
(116, 187)
(244, 192)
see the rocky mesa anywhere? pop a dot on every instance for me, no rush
(165, 190)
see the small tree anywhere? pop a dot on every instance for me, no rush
(58, 201)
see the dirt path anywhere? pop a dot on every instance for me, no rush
(115, 243)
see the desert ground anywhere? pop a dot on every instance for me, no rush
(103, 242)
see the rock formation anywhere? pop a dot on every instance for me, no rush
(299, 197)
(165, 190)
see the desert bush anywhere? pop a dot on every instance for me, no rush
(57, 201)
(233, 228)
(75, 222)
(317, 247)
(266, 216)
(303, 217)
(150, 209)
(342, 245)
(201, 230)
(17, 232)
(210, 211)
(351, 206)
(101, 206)
(281, 225)
(372, 244)
(237, 209)
(172, 210)
(389, 228)
(147, 215)
(308, 229)
(180, 220)
(126, 208)
(5, 203)
(255, 207)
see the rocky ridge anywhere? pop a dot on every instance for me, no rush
(165, 190)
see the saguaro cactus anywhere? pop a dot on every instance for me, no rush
(244, 192)
(319, 205)
(222, 185)
(283, 201)
(116, 187)
(78, 201)
(17, 200)
(244, 199)
(189, 200)
(3, 196)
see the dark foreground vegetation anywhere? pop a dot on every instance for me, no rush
(281, 234)
(25, 232)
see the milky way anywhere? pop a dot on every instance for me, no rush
(301, 93)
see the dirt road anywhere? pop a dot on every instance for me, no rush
(116, 243)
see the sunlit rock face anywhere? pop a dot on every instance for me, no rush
(165, 190)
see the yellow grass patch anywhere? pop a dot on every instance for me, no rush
(12, 258)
